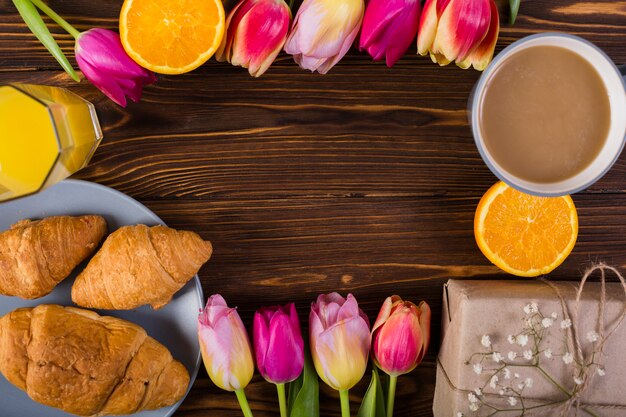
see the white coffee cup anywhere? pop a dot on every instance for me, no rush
(615, 86)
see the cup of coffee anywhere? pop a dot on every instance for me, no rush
(549, 114)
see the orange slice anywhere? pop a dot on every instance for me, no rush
(171, 36)
(522, 234)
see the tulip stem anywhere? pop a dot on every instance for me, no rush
(393, 379)
(58, 19)
(243, 403)
(345, 403)
(282, 399)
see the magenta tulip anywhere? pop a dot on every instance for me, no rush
(278, 347)
(278, 343)
(389, 28)
(103, 61)
(256, 31)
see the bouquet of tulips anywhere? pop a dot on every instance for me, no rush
(340, 343)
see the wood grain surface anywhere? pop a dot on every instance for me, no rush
(364, 180)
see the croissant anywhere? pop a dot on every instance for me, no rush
(36, 255)
(87, 364)
(140, 265)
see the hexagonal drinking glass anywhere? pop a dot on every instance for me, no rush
(46, 134)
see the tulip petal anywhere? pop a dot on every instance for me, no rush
(385, 312)
(482, 55)
(224, 51)
(340, 353)
(105, 84)
(261, 339)
(462, 26)
(424, 319)
(427, 27)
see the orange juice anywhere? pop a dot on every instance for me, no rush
(46, 134)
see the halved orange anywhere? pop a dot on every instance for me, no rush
(522, 234)
(171, 36)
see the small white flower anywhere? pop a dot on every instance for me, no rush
(578, 380)
(600, 371)
(472, 398)
(501, 393)
(478, 368)
(493, 382)
(511, 339)
(512, 355)
(512, 401)
(485, 341)
(527, 309)
(474, 407)
(528, 354)
(459, 414)
(529, 382)
(554, 315)
(521, 386)
(548, 353)
(566, 324)
(547, 322)
(507, 373)
(522, 340)
(592, 336)
(516, 375)
(568, 358)
(531, 308)
(478, 391)
(496, 357)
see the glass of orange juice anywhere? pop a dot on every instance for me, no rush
(46, 134)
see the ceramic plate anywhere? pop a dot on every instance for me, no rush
(174, 325)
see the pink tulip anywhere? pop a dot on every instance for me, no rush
(323, 31)
(340, 340)
(278, 343)
(256, 31)
(463, 31)
(400, 335)
(225, 345)
(103, 61)
(389, 28)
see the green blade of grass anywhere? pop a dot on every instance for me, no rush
(514, 4)
(36, 25)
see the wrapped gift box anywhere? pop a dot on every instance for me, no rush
(504, 341)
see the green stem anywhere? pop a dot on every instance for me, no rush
(282, 399)
(243, 403)
(58, 19)
(391, 394)
(345, 403)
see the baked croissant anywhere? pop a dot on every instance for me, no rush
(140, 265)
(87, 364)
(36, 255)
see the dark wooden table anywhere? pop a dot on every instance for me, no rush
(364, 180)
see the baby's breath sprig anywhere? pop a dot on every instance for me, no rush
(503, 369)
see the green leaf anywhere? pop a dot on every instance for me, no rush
(514, 5)
(373, 404)
(304, 392)
(36, 25)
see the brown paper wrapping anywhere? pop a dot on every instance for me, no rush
(496, 308)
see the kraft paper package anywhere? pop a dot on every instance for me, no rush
(530, 347)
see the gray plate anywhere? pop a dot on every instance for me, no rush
(174, 325)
